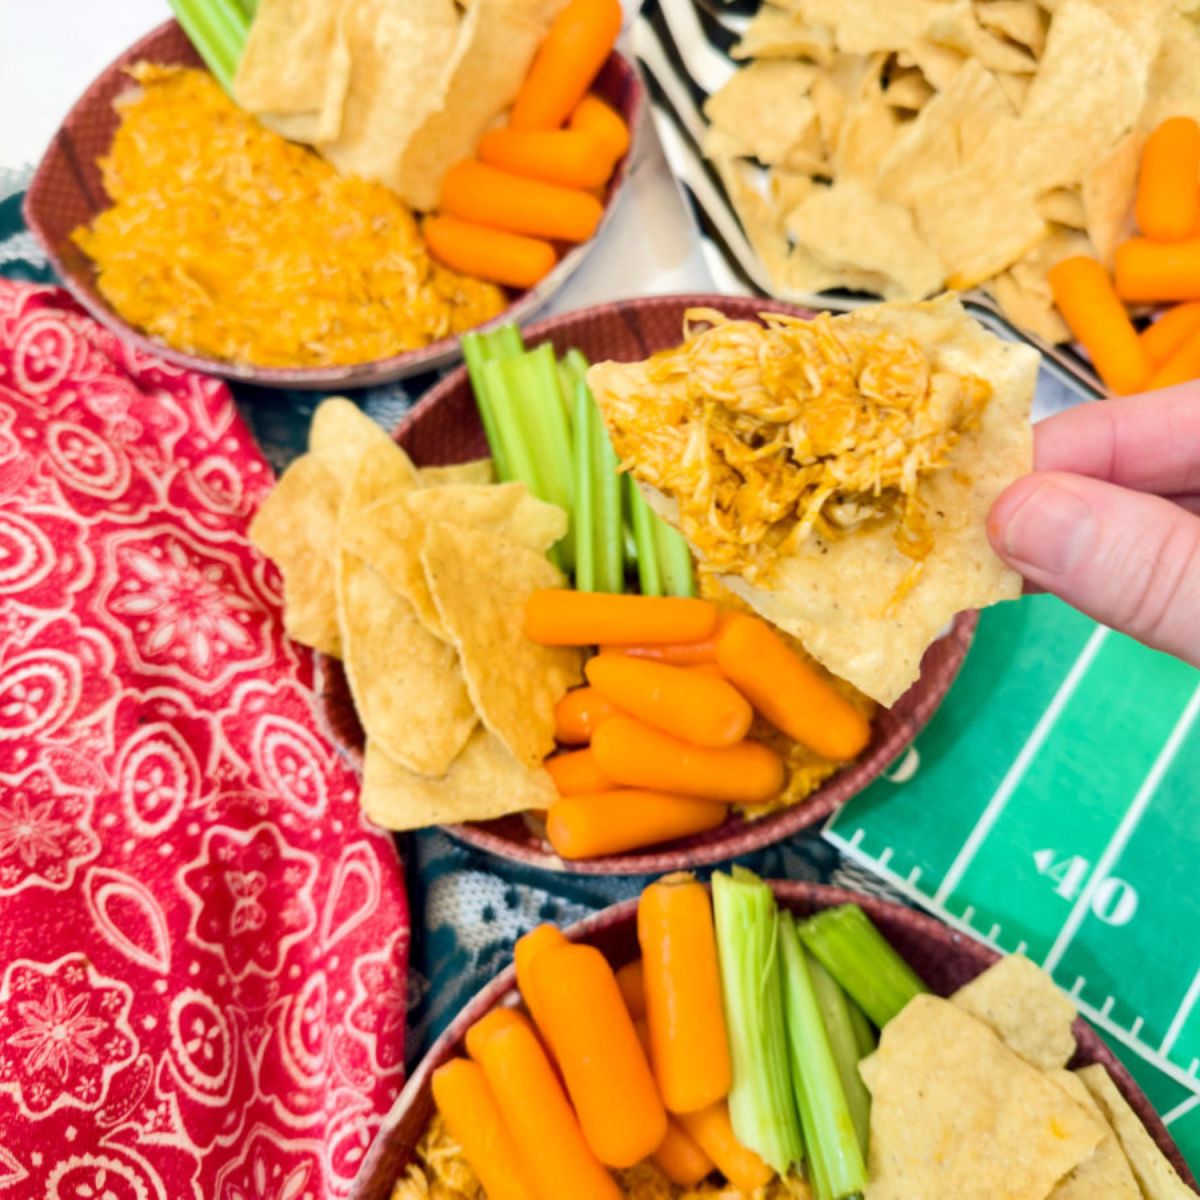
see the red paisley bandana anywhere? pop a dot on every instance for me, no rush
(202, 944)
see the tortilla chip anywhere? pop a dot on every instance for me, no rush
(479, 470)
(383, 472)
(847, 228)
(513, 682)
(487, 66)
(287, 53)
(483, 782)
(1106, 1173)
(867, 26)
(955, 1113)
(867, 129)
(1023, 291)
(1015, 88)
(1018, 20)
(777, 33)
(955, 25)
(407, 685)
(766, 107)
(1063, 205)
(296, 527)
(1032, 1015)
(788, 189)
(1154, 1173)
(939, 64)
(1174, 86)
(342, 433)
(1108, 192)
(908, 89)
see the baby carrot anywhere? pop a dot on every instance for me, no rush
(788, 692)
(577, 773)
(697, 708)
(603, 122)
(1157, 271)
(473, 1118)
(561, 617)
(479, 193)
(708, 670)
(588, 1027)
(1095, 315)
(640, 756)
(631, 981)
(578, 713)
(613, 822)
(485, 1027)
(677, 1157)
(712, 1131)
(554, 1156)
(567, 156)
(1168, 203)
(688, 1042)
(526, 950)
(579, 42)
(506, 258)
(1182, 367)
(1170, 331)
(677, 654)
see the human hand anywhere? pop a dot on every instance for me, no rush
(1110, 518)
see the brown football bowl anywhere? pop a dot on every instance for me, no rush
(444, 428)
(943, 958)
(67, 192)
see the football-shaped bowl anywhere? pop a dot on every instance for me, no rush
(943, 958)
(67, 191)
(444, 428)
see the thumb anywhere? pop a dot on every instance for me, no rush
(1127, 559)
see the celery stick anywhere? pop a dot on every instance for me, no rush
(218, 29)
(505, 342)
(864, 1035)
(566, 389)
(855, 953)
(585, 494)
(510, 431)
(609, 523)
(843, 1042)
(476, 350)
(762, 1105)
(675, 560)
(630, 545)
(575, 362)
(642, 519)
(829, 1130)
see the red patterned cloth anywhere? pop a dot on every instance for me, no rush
(202, 945)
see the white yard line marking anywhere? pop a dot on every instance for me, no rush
(885, 856)
(1020, 766)
(914, 875)
(1181, 1110)
(1119, 840)
(1108, 1006)
(1181, 1016)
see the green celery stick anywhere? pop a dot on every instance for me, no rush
(609, 522)
(857, 955)
(642, 520)
(218, 29)
(675, 560)
(566, 389)
(575, 362)
(839, 1027)
(585, 495)
(630, 545)
(864, 1035)
(506, 341)
(762, 1104)
(510, 431)
(477, 350)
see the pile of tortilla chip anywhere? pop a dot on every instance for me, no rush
(416, 579)
(390, 90)
(897, 148)
(971, 1097)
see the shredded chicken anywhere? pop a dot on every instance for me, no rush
(767, 434)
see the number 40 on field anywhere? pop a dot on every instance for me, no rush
(1114, 901)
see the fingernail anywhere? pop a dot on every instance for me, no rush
(1050, 531)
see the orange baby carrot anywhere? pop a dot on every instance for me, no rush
(1157, 271)
(604, 123)
(688, 1042)
(578, 713)
(788, 692)
(678, 654)
(640, 756)
(613, 822)
(709, 670)
(1170, 331)
(579, 42)
(1168, 203)
(1182, 367)
(561, 617)
(712, 1131)
(506, 258)
(631, 981)
(500, 200)
(1095, 315)
(486, 1026)
(577, 773)
(587, 1025)
(677, 1157)
(697, 708)
(526, 950)
(473, 1118)
(555, 1158)
(565, 156)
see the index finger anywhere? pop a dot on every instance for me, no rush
(1150, 443)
